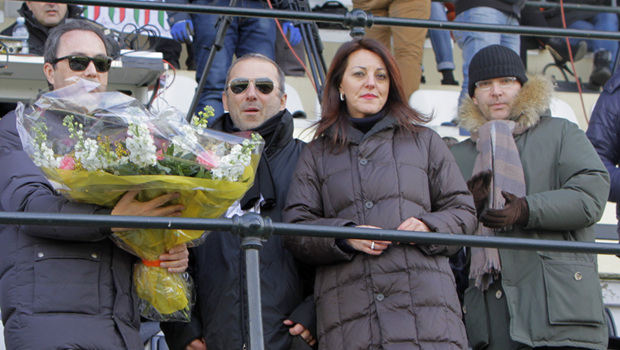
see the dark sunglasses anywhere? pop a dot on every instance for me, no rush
(239, 85)
(80, 63)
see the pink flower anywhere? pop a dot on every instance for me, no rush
(67, 163)
(67, 142)
(160, 154)
(208, 159)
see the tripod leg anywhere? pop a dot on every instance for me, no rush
(222, 24)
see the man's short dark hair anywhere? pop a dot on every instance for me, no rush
(53, 39)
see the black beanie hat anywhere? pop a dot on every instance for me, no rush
(495, 61)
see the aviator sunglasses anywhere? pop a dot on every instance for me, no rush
(80, 63)
(239, 85)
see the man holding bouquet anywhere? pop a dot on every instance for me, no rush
(68, 287)
(256, 100)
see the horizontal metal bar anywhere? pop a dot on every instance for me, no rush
(19, 218)
(336, 18)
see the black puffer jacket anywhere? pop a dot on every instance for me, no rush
(38, 32)
(218, 268)
(60, 287)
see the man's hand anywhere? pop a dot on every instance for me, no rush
(197, 344)
(293, 33)
(180, 31)
(515, 211)
(128, 205)
(479, 185)
(300, 330)
(176, 260)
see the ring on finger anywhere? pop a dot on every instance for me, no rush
(372, 246)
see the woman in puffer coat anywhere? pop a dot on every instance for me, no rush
(372, 165)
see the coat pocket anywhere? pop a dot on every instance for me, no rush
(66, 278)
(573, 292)
(476, 321)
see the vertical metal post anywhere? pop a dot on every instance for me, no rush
(253, 229)
(251, 245)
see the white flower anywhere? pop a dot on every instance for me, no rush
(233, 165)
(185, 141)
(88, 155)
(44, 157)
(140, 144)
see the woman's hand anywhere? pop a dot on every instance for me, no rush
(369, 246)
(176, 260)
(413, 224)
(128, 205)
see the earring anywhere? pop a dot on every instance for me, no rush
(341, 97)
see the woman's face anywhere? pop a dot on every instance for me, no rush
(365, 84)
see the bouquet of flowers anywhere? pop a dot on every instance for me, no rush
(94, 147)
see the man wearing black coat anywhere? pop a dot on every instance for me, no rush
(68, 287)
(255, 99)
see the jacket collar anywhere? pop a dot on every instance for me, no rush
(280, 137)
(531, 102)
(356, 137)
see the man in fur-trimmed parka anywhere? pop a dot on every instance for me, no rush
(532, 176)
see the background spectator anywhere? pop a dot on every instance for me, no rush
(407, 43)
(244, 35)
(604, 133)
(442, 45)
(605, 51)
(501, 12)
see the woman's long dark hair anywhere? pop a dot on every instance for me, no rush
(334, 111)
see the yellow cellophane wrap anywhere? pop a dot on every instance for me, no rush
(164, 292)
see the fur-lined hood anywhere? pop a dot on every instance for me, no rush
(532, 100)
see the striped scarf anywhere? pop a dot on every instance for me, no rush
(497, 151)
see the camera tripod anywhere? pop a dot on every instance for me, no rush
(356, 20)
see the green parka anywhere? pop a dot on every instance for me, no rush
(553, 298)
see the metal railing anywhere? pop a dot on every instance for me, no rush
(361, 19)
(242, 224)
(254, 229)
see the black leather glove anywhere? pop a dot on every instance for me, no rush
(478, 185)
(515, 212)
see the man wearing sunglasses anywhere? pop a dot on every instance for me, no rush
(68, 287)
(67, 58)
(255, 99)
